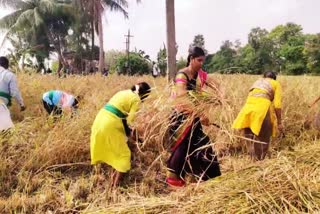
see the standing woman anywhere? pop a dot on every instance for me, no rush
(191, 151)
(261, 114)
(8, 90)
(110, 130)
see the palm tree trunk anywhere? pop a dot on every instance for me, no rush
(92, 32)
(100, 31)
(171, 40)
(57, 47)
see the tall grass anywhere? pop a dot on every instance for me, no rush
(46, 167)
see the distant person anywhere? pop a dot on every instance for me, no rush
(105, 72)
(56, 102)
(257, 118)
(8, 89)
(49, 71)
(155, 70)
(110, 130)
(191, 149)
(91, 71)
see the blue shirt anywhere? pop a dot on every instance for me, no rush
(59, 98)
(55, 99)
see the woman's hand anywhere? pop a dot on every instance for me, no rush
(22, 108)
(204, 120)
(134, 136)
(184, 108)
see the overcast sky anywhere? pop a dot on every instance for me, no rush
(217, 20)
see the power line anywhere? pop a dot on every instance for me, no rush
(128, 36)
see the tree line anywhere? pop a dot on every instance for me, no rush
(67, 28)
(285, 49)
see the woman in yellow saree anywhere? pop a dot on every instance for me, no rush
(261, 115)
(110, 130)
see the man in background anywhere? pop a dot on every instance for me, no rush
(8, 90)
(155, 70)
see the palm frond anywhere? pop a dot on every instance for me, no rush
(116, 5)
(37, 17)
(7, 21)
(25, 19)
(6, 34)
(66, 1)
(13, 4)
(67, 9)
(123, 3)
(47, 6)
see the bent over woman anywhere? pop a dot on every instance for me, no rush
(261, 114)
(110, 130)
(192, 151)
(56, 101)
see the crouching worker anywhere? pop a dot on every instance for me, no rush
(56, 102)
(260, 117)
(110, 130)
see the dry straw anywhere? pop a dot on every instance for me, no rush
(46, 167)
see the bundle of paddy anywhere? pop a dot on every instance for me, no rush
(289, 183)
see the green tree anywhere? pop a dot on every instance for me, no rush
(256, 37)
(223, 60)
(138, 65)
(78, 40)
(56, 28)
(24, 47)
(207, 61)
(96, 9)
(181, 63)
(312, 53)
(281, 33)
(199, 42)
(143, 55)
(246, 61)
(262, 47)
(38, 20)
(162, 60)
(288, 43)
(292, 52)
(112, 57)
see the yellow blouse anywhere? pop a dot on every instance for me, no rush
(277, 92)
(127, 102)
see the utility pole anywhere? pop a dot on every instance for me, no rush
(171, 40)
(128, 50)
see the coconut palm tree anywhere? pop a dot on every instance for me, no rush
(36, 18)
(96, 9)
